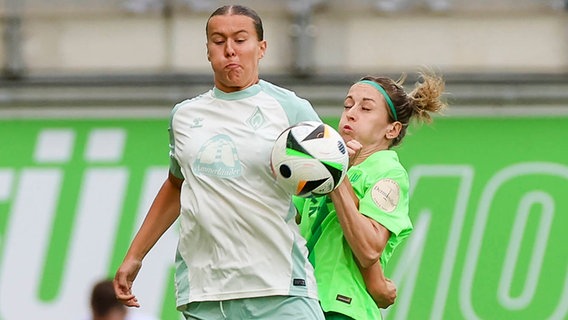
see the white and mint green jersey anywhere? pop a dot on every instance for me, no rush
(238, 237)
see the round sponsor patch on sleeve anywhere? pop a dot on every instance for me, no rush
(386, 193)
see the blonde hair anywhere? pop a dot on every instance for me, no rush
(424, 100)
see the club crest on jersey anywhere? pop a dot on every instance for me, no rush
(256, 120)
(385, 194)
(354, 175)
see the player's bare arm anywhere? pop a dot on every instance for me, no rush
(161, 215)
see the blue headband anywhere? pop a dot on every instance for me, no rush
(384, 93)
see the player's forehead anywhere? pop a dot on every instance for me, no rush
(230, 24)
(362, 91)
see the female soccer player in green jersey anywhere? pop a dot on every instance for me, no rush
(352, 232)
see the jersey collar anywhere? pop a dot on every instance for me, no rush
(237, 95)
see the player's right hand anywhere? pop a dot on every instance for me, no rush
(123, 281)
(354, 148)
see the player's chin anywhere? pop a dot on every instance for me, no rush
(235, 77)
(346, 137)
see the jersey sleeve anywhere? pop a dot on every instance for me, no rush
(297, 109)
(386, 201)
(306, 112)
(175, 168)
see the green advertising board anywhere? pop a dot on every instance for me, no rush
(488, 198)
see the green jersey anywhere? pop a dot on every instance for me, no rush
(381, 184)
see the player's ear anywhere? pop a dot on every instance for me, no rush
(393, 130)
(262, 46)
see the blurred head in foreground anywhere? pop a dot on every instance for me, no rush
(104, 305)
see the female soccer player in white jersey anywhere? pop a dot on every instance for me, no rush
(240, 254)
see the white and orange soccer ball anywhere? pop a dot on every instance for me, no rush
(309, 158)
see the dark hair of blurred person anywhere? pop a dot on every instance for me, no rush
(104, 305)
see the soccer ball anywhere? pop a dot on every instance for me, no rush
(309, 158)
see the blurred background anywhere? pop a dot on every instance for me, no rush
(86, 87)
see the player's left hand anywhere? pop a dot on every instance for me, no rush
(388, 297)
